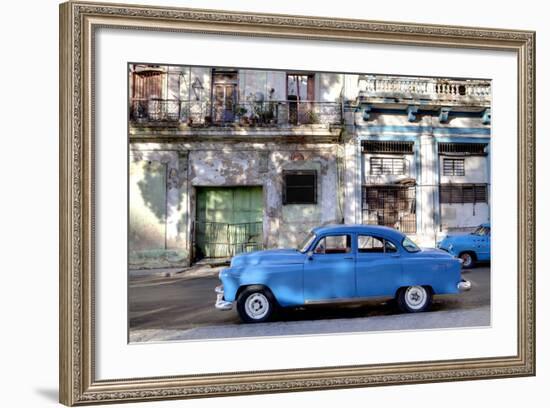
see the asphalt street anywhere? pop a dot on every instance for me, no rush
(181, 307)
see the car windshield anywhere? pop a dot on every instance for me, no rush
(409, 245)
(306, 242)
(481, 230)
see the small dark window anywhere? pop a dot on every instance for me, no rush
(453, 167)
(462, 193)
(387, 166)
(300, 187)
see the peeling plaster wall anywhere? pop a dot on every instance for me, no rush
(165, 240)
(226, 160)
(284, 225)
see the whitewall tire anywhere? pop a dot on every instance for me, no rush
(413, 299)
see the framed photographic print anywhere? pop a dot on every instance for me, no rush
(256, 203)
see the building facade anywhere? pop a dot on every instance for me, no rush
(230, 160)
(422, 153)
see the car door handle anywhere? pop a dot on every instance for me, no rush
(348, 257)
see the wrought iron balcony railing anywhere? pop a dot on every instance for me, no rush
(268, 113)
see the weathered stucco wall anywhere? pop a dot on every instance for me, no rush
(157, 208)
(164, 177)
(166, 171)
(284, 225)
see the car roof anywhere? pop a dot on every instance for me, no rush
(360, 228)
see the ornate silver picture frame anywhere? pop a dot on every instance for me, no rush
(79, 22)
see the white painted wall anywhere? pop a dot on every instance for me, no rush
(463, 216)
(368, 178)
(475, 170)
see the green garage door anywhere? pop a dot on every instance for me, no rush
(228, 221)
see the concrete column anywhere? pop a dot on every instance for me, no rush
(352, 181)
(426, 191)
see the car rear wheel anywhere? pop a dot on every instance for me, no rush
(413, 299)
(255, 304)
(468, 260)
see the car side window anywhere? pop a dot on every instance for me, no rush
(333, 244)
(370, 244)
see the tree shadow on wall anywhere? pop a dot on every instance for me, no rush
(153, 189)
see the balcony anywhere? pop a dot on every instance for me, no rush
(430, 91)
(173, 112)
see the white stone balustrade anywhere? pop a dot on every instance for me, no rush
(463, 91)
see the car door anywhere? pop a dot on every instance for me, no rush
(484, 245)
(329, 269)
(378, 266)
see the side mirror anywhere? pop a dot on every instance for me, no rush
(310, 255)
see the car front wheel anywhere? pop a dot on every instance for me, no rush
(467, 260)
(414, 299)
(255, 305)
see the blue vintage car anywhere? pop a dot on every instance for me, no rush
(339, 263)
(471, 248)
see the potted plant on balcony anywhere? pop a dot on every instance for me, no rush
(312, 117)
(240, 115)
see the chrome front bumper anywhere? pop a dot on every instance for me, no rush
(222, 304)
(464, 285)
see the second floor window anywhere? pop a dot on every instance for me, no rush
(147, 85)
(300, 87)
(453, 167)
(387, 166)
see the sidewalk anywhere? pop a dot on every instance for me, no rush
(194, 271)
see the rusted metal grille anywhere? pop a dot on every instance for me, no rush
(387, 146)
(462, 193)
(221, 240)
(392, 206)
(387, 166)
(462, 148)
(453, 167)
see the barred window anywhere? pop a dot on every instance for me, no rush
(462, 193)
(453, 167)
(462, 148)
(387, 166)
(300, 187)
(387, 146)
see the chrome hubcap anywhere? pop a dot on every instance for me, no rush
(415, 296)
(467, 259)
(256, 306)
